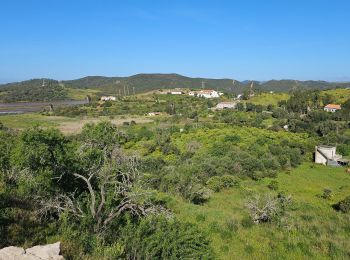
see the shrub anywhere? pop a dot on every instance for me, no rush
(327, 194)
(214, 183)
(273, 185)
(217, 183)
(158, 238)
(343, 205)
(199, 194)
(267, 208)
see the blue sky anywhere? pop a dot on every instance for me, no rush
(246, 39)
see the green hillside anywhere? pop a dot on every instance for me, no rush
(312, 230)
(50, 90)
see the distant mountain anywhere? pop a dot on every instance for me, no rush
(146, 82)
(49, 89)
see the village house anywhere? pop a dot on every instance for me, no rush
(206, 93)
(226, 105)
(108, 98)
(176, 92)
(332, 108)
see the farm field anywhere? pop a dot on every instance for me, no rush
(67, 125)
(312, 228)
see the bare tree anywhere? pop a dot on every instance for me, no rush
(113, 188)
(266, 208)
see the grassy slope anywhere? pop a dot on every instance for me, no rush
(268, 98)
(340, 95)
(314, 229)
(79, 94)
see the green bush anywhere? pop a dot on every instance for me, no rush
(343, 205)
(327, 193)
(158, 238)
(273, 185)
(217, 183)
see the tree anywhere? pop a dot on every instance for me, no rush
(267, 208)
(110, 189)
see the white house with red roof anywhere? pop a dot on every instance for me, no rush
(206, 93)
(332, 108)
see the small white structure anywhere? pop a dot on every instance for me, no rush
(176, 92)
(208, 93)
(332, 108)
(226, 105)
(326, 155)
(108, 98)
(239, 96)
(154, 113)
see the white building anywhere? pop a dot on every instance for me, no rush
(176, 93)
(326, 155)
(208, 93)
(226, 105)
(108, 98)
(332, 108)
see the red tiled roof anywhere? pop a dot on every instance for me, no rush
(207, 91)
(333, 106)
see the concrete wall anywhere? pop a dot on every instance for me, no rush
(328, 151)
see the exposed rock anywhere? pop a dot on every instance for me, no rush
(46, 252)
(11, 252)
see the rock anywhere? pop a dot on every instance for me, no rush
(46, 252)
(11, 252)
(51, 251)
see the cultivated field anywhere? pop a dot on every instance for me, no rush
(67, 125)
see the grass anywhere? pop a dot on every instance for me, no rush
(268, 98)
(79, 94)
(67, 125)
(340, 95)
(312, 230)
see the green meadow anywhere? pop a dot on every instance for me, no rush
(268, 98)
(312, 229)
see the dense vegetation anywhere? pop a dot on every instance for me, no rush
(33, 90)
(194, 184)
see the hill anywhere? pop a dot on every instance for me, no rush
(50, 90)
(33, 90)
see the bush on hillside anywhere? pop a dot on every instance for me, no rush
(158, 238)
(343, 205)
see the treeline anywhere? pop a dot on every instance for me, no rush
(33, 90)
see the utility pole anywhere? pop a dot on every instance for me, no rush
(203, 84)
(251, 89)
(133, 90)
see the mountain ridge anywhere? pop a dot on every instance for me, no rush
(51, 89)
